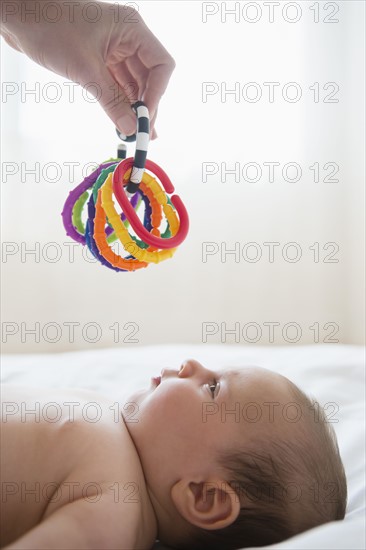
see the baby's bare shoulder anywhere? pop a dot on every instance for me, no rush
(86, 463)
(110, 494)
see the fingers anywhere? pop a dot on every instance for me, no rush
(131, 75)
(160, 66)
(117, 105)
(115, 102)
(156, 85)
(128, 79)
(153, 133)
(144, 75)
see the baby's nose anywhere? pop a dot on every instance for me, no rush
(192, 363)
(191, 367)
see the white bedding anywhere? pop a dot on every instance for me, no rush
(332, 373)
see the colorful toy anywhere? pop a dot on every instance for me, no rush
(127, 181)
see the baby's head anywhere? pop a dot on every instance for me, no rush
(235, 458)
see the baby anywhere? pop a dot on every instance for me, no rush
(201, 459)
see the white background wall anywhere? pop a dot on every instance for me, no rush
(170, 302)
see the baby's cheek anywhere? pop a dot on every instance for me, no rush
(175, 408)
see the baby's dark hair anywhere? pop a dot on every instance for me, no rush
(286, 485)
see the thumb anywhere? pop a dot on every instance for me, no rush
(115, 102)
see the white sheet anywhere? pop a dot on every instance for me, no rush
(331, 373)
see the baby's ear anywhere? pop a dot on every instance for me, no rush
(209, 504)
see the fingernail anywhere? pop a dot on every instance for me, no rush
(154, 135)
(127, 124)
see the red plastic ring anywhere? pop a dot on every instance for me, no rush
(133, 218)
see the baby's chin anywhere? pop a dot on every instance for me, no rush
(137, 396)
(140, 395)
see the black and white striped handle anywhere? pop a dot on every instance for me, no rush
(142, 138)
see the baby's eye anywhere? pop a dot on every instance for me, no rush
(212, 387)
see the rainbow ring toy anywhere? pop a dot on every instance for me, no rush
(90, 216)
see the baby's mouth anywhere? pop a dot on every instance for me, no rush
(156, 380)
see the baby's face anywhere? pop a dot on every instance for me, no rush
(189, 415)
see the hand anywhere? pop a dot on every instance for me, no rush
(117, 52)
